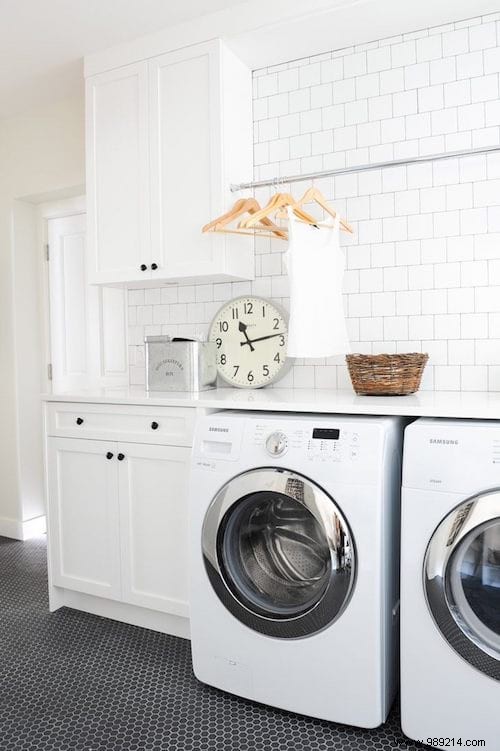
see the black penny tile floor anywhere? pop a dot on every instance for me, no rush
(70, 681)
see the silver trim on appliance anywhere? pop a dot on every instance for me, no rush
(458, 623)
(337, 582)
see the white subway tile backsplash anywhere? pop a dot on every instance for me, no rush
(447, 377)
(455, 42)
(484, 88)
(417, 76)
(423, 266)
(492, 60)
(488, 352)
(482, 36)
(378, 59)
(433, 301)
(430, 98)
(461, 300)
(429, 48)
(396, 327)
(474, 378)
(470, 65)
(403, 53)
(442, 71)
(408, 302)
(392, 81)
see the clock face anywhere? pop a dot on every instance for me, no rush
(251, 337)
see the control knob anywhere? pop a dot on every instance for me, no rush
(276, 444)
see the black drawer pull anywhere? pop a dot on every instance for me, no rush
(109, 455)
(79, 420)
(143, 267)
(154, 426)
(120, 457)
(154, 266)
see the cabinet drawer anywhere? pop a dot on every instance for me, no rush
(169, 426)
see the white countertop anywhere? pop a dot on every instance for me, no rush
(479, 405)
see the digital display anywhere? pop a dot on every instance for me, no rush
(326, 434)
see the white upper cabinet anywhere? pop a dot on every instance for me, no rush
(117, 138)
(166, 137)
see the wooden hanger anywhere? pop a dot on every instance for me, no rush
(244, 206)
(314, 194)
(277, 202)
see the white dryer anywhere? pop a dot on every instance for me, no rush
(294, 551)
(450, 583)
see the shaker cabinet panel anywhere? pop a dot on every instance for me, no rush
(154, 520)
(117, 130)
(165, 138)
(185, 160)
(83, 516)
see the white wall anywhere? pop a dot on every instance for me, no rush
(424, 262)
(41, 153)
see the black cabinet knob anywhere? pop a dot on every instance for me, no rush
(79, 420)
(144, 267)
(154, 266)
(120, 457)
(154, 426)
(109, 455)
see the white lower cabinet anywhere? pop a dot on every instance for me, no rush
(153, 518)
(84, 551)
(118, 521)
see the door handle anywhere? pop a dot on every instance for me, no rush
(109, 455)
(120, 457)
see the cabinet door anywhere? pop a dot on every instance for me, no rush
(118, 175)
(153, 508)
(186, 168)
(84, 516)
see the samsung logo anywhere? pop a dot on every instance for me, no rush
(218, 430)
(444, 441)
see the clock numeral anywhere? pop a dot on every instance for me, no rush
(235, 313)
(263, 311)
(282, 341)
(277, 357)
(276, 323)
(223, 326)
(250, 376)
(265, 370)
(248, 308)
(218, 342)
(223, 359)
(236, 368)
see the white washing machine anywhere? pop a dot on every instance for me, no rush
(450, 583)
(294, 561)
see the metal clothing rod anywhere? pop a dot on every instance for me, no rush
(277, 181)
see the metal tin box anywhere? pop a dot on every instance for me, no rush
(180, 365)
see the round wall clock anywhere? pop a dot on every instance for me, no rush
(251, 335)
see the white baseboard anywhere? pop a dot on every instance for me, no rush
(119, 611)
(22, 530)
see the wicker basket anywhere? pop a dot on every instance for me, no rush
(384, 375)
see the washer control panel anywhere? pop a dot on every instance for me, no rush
(318, 444)
(276, 443)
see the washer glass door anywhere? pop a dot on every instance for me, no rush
(463, 581)
(278, 553)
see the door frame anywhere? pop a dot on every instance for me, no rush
(51, 210)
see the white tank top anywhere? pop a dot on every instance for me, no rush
(315, 263)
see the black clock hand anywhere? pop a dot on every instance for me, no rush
(259, 339)
(243, 328)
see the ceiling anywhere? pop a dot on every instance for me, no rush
(42, 42)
